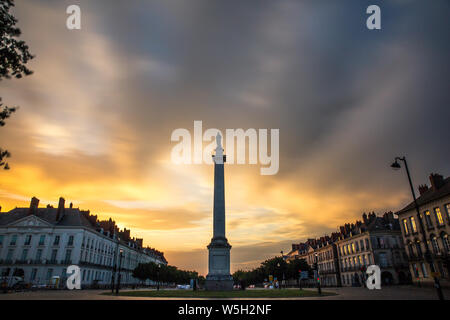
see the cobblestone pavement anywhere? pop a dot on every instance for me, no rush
(346, 293)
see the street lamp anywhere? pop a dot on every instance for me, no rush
(120, 275)
(279, 285)
(157, 284)
(428, 258)
(282, 256)
(319, 290)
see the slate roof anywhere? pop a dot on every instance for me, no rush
(431, 194)
(71, 217)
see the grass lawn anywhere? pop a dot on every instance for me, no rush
(275, 293)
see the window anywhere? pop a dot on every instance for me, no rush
(361, 243)
(405, 226)
(445, 241)
(360, 261)
(42, 240)
(428, 219)
(424, 270)
(49, 273)
(54, 254)
(70, 242)
(38, 254)
(410, 249)
(13, 240)
(447, 208)
(56, 242)
(353, 247)
(413, 224)
(10, 254)
(416, 270)
(28, 240)
(437, 212)
(418, 248)
(24, 254)
(357, 246)
(383, 260)
(1, 239)
(33, 274)
(435, 244)
(68, 255)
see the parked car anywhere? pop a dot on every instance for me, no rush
(183, 286)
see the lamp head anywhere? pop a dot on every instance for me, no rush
(396, 165)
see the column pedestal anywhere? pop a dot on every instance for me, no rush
(219, 277)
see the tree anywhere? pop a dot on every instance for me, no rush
(14, 56)
(140, 272)
(163, 273)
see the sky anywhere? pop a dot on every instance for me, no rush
(96, 117)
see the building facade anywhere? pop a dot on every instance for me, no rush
(38, 244)
(343, 258)
(434, 208)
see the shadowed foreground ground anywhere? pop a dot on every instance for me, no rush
(347, 293)
(289, 293)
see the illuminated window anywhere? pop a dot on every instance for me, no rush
(405, 226)
(360, 261)
(428, 219)
(353, 247)
(447, 208)
(438, 214)
(413, 224)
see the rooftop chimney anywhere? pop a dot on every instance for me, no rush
(60, 211)
(436, 180)
(423, 188)
(33, 205)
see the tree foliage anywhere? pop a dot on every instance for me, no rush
(14, 55)
(276, 267)
(163, 273)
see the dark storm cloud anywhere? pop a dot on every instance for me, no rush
(346, 100)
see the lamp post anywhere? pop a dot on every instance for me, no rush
(428, 258)
(319, 290)
(120, 275)
(113, 276)
(279, 267)
(284, 280)
(157, 284)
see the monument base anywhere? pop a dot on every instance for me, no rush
(219, 283)
(219, 277)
